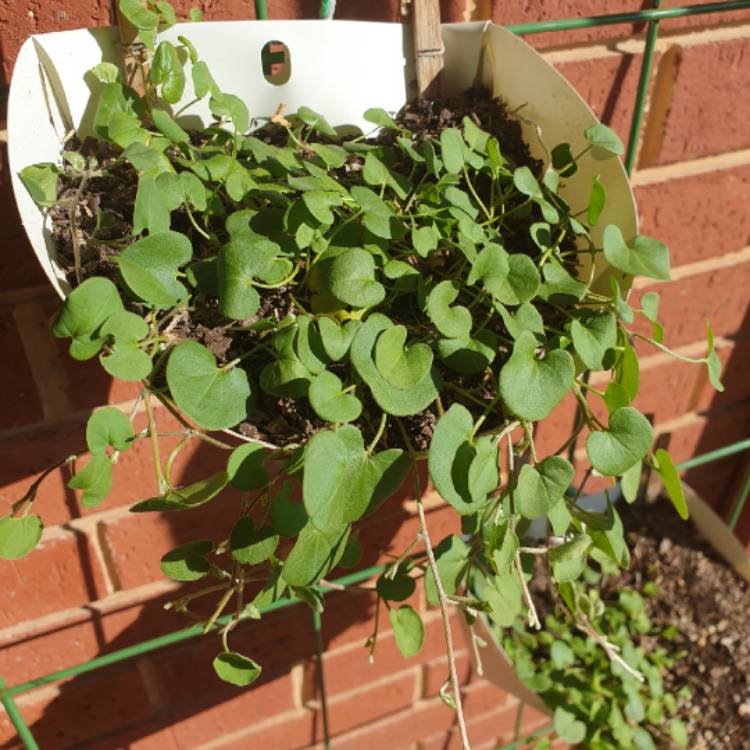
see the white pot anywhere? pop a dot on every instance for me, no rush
(339, 68)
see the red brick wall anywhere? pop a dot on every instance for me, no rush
(94, 585)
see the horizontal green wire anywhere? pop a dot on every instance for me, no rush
(653, 14)
(167, 640)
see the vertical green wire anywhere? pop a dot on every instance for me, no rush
(317, 628)
(640, 98)
(327, 8)
(261, 12)
(739, 503)
(24, 733)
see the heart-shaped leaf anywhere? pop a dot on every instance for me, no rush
(84, 312)
(521, 283)
(604, 138)
(452, 148)
(18, 536)
(125, 359)
(491, 267)
(109, 427)
(408, 629)
(532, 387)
(41, 182)
(188, 561)
(314, 553)
(215, 397)
(245, 467)
(337, 338)
(330, 402)
(452, 559)
(569, 559)
(540, 488)
(642, 256)
(315, 121)
(251, 546)
(149, 267)
(395, 589)
(454, 322)
(503, 594)
(94, 479)
(425, 239)
(352, 279)
(559, 286)
(381, 118)
(400, 365)
(397, 401)
(236, 669)
(242, 260)
(625, 442)
(450, 458)
(568, 728)
(594, 336)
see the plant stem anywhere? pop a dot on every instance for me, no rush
(378, 434)
(153, 434)
(443, 599)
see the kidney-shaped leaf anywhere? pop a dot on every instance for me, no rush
(532, 387)
(642, 256)
(18, 536)
(454, 322)
(329, 400)
(251, 546)
(109, 427)
(626, 441)
(215, 397)
(352, 279)
(236, 669)
(542, 487)
(188, 561)
(408, 630)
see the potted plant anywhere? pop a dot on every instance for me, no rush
(425, 291)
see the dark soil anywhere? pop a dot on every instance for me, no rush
(103, 225)
(709, 604)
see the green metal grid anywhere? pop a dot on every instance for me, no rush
(650, 16)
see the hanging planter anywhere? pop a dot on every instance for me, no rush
(429, 289)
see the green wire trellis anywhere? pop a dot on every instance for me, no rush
(652, 17)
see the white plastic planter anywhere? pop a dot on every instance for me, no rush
(339, 68)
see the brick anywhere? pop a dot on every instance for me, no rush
(497, 725)
(289, 731)
(62, 572)
(719, 295)
(550, 10)
(435, 672)
(21, 400)
(698, 216)
(82, 709)
(704, 118)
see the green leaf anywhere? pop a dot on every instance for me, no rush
(626, 441)
(236, 669)
(594, 336)
(393, 400)
(559, 286)
(215, 397)
(329, 402)
(150, 265)
(628, 372)
(203, 81)
(188, 561)
(155, 200)
(527, 318)
(106, 72)
(469, 355)
(713, 363)
(125, 359)
(396, 589)
(454, 322)
(452, 559)
(452, 148)
(381, 118)
(521, 284)
(425, 239)
(251, 546)
(41, 182)
(616, 396)
(352, 279)
(563, 161)
(242, 260)
(228, 105)
(631, 481)
(671, 479)
(568, 728)
(314, 554)
(114, 98)
(503, 594)
(95, 480)
(597, 201)
(642, 256)
(408, 629)
(491, 267)
(540, 488)
(18, 536)
(320, 202)
(336, 338)
(401, 366)
(109, 427)
(562, 655)
(315, 121)
(125, 129)
(604, 138)
(531, 387)
(288, 518)
(679, 733)
(569, 559)
(184, 498)
(84, 312)
(327, 457)
(450, 458)
(245, 467)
